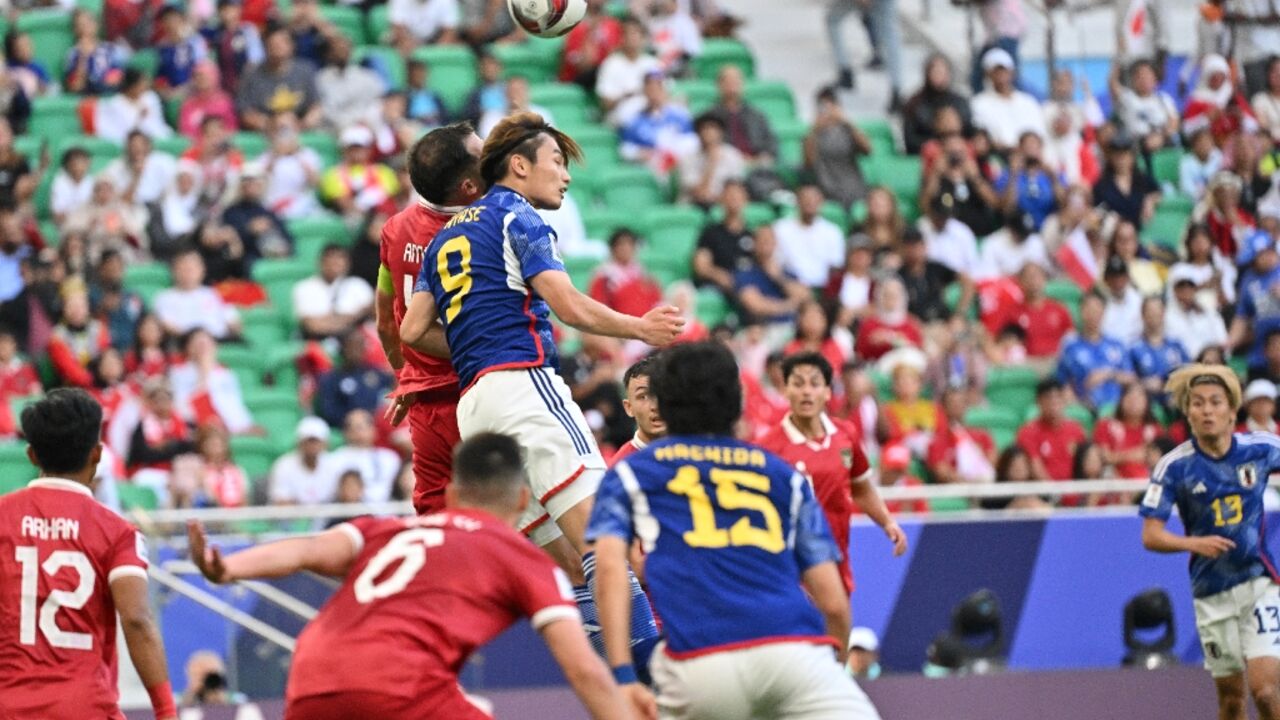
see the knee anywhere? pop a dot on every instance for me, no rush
(1265, 694)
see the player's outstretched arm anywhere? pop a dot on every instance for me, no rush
(869, 500)
(658, 327)
(613, 601)
(419, 318)
(329, 553)
(385, 321)
(142, 637)
(588, 676)
(1157, 538)
(823, 583)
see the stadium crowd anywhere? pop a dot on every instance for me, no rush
(191, 201)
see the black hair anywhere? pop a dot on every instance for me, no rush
(1005, 460)
(522, 134)
(705, 118)
(1077, 460)
(439, 160)
(698, 389)
(415, 63)
(62, 429)
(11, 43)
(132, 76)
(807, 359)
(183, 251)
(488, 468)
(1048, 385)
(167, 10)
(644, 367)
(72, 152)
(630, 19)
(1093, 295)
(334, 247)
(827, 93)
(1013, 329)
(620, 233)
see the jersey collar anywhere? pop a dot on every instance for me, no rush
(1200, 451)
(442, 209)
(798, 438)
(637, 443)
(51, 483)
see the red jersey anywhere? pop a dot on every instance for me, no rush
(876, 337)
(404, 241)
(831, 464)
(628, 447)
(627, 289)
(394, 630)
(59, 551)
(1045, 324)
(951, 440)
(1053, 445)
(1116, 436)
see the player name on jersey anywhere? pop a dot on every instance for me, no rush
(719, 454)
(413, 253)
(58, 528)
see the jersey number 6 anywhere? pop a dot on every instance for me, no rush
(458, 283)
(410, 549)
(730, 495)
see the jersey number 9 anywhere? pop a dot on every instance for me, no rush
(735, 490)
(458, 283)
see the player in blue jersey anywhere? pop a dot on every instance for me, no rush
(493, 276)
(733, 538)
(1217, 481)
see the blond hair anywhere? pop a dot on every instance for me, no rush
(1184, 378)
(517, 135)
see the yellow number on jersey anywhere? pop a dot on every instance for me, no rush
(735, 490)
(458, 283)
(1234, 511)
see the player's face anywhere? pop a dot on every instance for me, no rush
(807, 392)
(548, 177)
(1209, 411)
(641, 405)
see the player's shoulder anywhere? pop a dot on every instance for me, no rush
(1174, 460)
(1258, 441)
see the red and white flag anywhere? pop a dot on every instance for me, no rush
(1077, 260)
(1135, 24)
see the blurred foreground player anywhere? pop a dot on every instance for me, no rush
(828, 452)
(444, 167)
(1217, 481)
(640, 406)
(419, 596)
(68, 566)
(734, 539)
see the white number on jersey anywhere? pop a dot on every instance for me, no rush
(409, 547)
(29, 557)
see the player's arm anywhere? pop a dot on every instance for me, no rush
(385, 319)
(659, 326)
(330, 553)
(588, 677)
(1157, 538)
(825, 587)
(816, 555)
(146, 648)
(419, 318)
(869, 500)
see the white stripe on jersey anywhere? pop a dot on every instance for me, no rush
(1177, 453)
(646, 524)
(1258, 438)
(797, 496)
(515, 278)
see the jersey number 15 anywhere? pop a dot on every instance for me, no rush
(735, 490)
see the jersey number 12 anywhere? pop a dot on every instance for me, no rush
(29, 557)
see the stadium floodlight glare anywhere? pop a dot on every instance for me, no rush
(1145, 613)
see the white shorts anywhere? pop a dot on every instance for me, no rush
(1239, 624)
(793, 680)
(534, 406)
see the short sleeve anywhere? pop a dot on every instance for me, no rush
(611, 514)
(423, 283)
(540, 590)
(859, 465)
(128, 555)
(1157, 501)
(1244, 306)
(814, 544)
(534, 243)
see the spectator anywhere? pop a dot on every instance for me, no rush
(911, 417)
(1270, 369)
(813, 334)
(1188, 322)
(919, 115)
(1146, 275)
(515, 99)
(92, 67)
(1003, 110)
(1014, 466)
(622, 283)
(207, 680)
(261, 233)
(110, 389)
(142, 174)
(20, 57)
(1260, 408)
(37, 300)
(306, 475)
(1123, 437)
(221, 482)
(490, 92)
(676, 37)
(1067, 153)
(280, 83)
(350, 491)
(851, 287)
(592, 375)
(1257, 312)
(949, 241)
(356, 184)
(422, 22)
(831, 152)
(1079, 117)
(15, 251)
(620, 80)
(810, 245)
(136, 107)
(1095, 365)
(1089, 463)
(1154, 355)
(129, 24)
(926, 281)
(349, 93)
(1221, 211)
(705, 173)
(957, 361)
(109, 222)
(311, 31)
(180, 207)
(1029, 187)
(236, 44)
(1122, 318)
(378, 466)
(119, 307)
(1146, 113)
(1009, 249)
(424, 104)
(352, 385)
(889, 326)
(190, 305)
(858, 405)
(148, 356)
(958, 453)
(15, 105)
(952, 175)
(292, 171)
(205, 392)
(746, 128)
(18, 180)
(724, 247)
(487, 21)
(765, 293)
(219, 163)
(1123, 188)
(588, 44)
(1005, 23)
(72, 186)
(1266, 102)
(1044, 320)
(394, 132)
(331, 303)
(180, 49)
(885, 226)
(205, 97)
(17, 379)
(1050, 440)
(1215, 104)
(895, 471)
(157, 439)
(660, 133)
(1197, 167)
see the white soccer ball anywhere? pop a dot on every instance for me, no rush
(547, 18)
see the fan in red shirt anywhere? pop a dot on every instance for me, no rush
(957, 453)
(828, 452)
(640, 405)
(895, 471)
(1051, 438)
(889, 326)
(1044, 320)
(444, 167)
(390, 642)
(69, 566)
(17, 379)
(1124, 437)
(622, 283)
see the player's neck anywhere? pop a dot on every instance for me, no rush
(84, 477)
(1215, 446)
(811, 428)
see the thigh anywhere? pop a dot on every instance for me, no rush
(1218, 624)
(704, 688)
(1260, 623)
(434, 428)
(811, 685)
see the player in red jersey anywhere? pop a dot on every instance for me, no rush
(829, 452)
(444, 167)
(68, 566)
(390, 642)
(640, 405)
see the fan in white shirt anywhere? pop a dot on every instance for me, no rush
(292, 171)
(1006, 251)
(377, 466)
(305, 476)
(947, 240)
(620, 82)
(72, 186)
(809, 245)
(189, 304)
(141, 175)
(1122, 317)
(1186, 321)
(331, 303)
(137, 107)
(421, 22)
(1002, 110)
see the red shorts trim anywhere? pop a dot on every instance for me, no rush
(535, 524)
(812, 639)
(552, 492)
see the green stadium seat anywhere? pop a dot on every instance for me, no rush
(93, 6)
(1165, 163)
(137, 497)
(567, 103)
(311, 235)
(325, 144)
(629, 188)
(522, 59)
(250, 144)
(673, 230)
(772, 98)
(145, 59)
(386, 58)
(100, 150)
(580, 270)
(281, 366)
(14, 477)
(758, 213)
(262, 327)
(1166, 227)
(713, 307)
(453, 71)
(55, 117)
(348, 20)
(377, 24)
(698, 95)
(880, 133)
(548, 52)
(601, 222)
(254, 454)
(30, 146)
(1012, 387)
(791, 134)
(600, 148)
(246, 362)
(278, 277)
(174, 146)
(1065, 292)
(718, 52)
(947, 505)
(51, 37)
(277, 411)
(152, 273)
(900, 174)
(1002, 423)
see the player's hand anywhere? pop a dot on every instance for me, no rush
(207, 558)
(1212, 546)
(641, 701)
(397, 411)
(661, 325)
(896, 536)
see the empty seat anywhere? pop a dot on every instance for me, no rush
(567, 103)
(524, 60)
(629, 188)
(51, 37)
(348, 20)
(453, 71)
(772, 98)
(718, 52)
(386, 61)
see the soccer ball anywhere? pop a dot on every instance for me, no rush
(547, 18)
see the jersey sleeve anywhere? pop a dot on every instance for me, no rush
(540, 590)
(534, 243)
(128, 555)
(611, 513)
(423, 283)
(859, 464)
(1157, 501)
(357, 529)
(813, 542)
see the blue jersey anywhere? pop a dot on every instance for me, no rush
(1219, 497)
(478, 270)
(1157, 360)
(1080, 357)
(1261, 307)
(728, 530)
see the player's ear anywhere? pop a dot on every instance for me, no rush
(626, 406)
